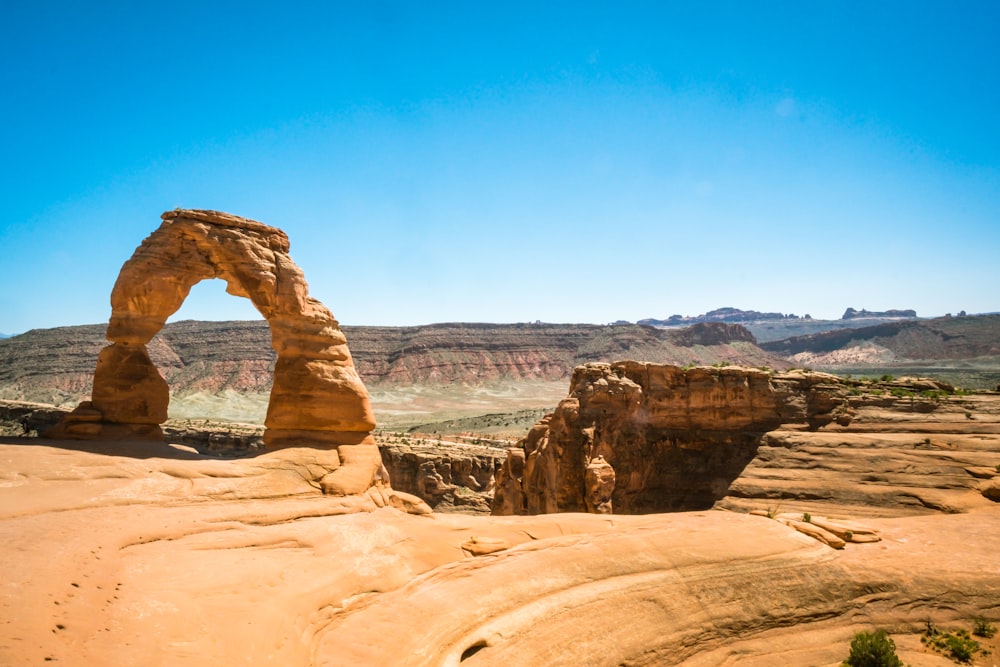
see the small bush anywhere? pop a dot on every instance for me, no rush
(873, 649)
(961, 646)
(807, 517)
(982, 627)
(958, 646)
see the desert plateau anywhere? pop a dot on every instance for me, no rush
(294, 492)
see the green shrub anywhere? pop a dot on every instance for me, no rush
(887, 378)
(958, 646)
(873, 649)
(807, 517)
(961, 646)
(980, 626)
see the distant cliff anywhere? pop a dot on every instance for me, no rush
(851, 314)
(721, 315)
(56, 365)
(954, 338)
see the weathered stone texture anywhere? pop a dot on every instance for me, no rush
(317, 397)
(638, 437)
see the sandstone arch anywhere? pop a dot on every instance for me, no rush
(317, 398)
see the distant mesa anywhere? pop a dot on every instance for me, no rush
(851, 314)
(713, 333)
(734, 315)
(217, 358)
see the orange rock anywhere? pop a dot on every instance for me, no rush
(600, 480)
(317, 398)
(671, 438)
(127, 387)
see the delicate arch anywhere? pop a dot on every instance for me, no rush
(317, 398)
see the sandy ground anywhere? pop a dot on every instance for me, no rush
(129, 554)
(394, 406)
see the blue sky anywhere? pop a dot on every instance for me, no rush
(506, 162)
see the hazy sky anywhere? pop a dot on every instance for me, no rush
(508, 161)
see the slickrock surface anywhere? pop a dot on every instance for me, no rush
(448, 476)
(898, 455)
(139, 553)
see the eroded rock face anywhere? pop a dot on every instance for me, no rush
(449, 478)
(636, 437)
(317, 398)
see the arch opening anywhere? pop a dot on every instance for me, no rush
(208, 300)
(215, 354)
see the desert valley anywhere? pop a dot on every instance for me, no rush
(736, 488)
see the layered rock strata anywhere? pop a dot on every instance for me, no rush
(673, 439)
(637, 438)
(317, 398)
(447, 476)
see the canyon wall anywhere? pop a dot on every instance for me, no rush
(640, 438)
(636, 437)
(57, 365)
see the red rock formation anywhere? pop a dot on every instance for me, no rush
(639, 437)
(317, 398)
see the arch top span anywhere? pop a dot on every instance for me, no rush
(317, 398)
(195, 245)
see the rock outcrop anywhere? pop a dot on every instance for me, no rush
(674, 439)
(851, 313)
(317, 397)
(448, 477)
(25, 419)
(653, 438)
